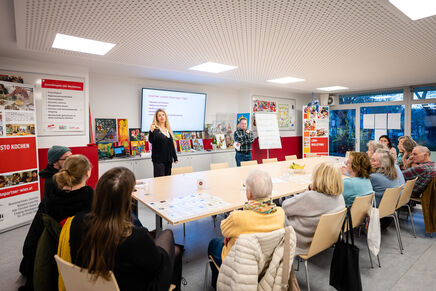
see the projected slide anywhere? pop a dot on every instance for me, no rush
(185, 110)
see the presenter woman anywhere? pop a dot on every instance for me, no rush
(163, 152)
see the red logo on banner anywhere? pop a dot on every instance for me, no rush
(319, 145)
(17, 154)
(64, 85)
(22, 189)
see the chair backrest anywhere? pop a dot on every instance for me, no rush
(76, 278)
(406, 193)
(327, 232)
(388, 203)
(311, 155)
(219, 166)
(181, 170)
(290, 158)
(248, 163)
(272, 160)
(359, 209)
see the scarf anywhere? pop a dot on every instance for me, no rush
(264, 207)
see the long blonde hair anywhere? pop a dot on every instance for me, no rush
(167, 123)
(327, 179)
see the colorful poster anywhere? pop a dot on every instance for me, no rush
(197, 144)
(135, 134)
(105, 130)
(285, 109)
(123, 130)
(135, 148)
(19, 181)
(185, 145)
(316, 129)
(63, 107)
(221, 141)
(105, 149)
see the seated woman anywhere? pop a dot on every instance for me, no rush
(384, 139)
(260, 214)
(408, 145)
(304, 210)
(105, 240)
(386, 174)
(373, 146)
(358, 167)
(71, 195)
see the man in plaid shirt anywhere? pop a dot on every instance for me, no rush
(243, 139)
(424, 169)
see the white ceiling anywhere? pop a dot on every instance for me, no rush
(359, 44)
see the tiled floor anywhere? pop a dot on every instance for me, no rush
(414, 270)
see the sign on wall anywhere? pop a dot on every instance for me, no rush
(315, 130)
(19, 182)
(63, 107)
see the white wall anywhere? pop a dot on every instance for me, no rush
(32, 73)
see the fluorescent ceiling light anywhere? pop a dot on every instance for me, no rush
(286, 80)
(416, 9)
(83, 45)
(332, 88)
(212, 67)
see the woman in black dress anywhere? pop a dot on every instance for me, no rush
(163, 152)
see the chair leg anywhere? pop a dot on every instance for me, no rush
(398, 232)
(205, 274)
(378, 259)
(369, 253)
(411, 220)
(184, 231)
(298, 264)
(307, 275)
(214, 220)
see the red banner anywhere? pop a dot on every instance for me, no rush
(319, 145)
(64, 85)
(18, 154)
(22, 189)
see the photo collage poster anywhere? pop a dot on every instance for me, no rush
(19, 182)
(316, 129)
(284, 108)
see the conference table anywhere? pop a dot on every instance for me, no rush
(179, 198)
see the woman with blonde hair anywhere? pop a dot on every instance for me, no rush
(163, 153)
(303, 211)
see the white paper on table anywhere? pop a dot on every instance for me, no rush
(380, 121)
(368, 121)
(277, 180)
(378, 133)
(394, 121)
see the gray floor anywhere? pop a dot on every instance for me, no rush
(414, 270)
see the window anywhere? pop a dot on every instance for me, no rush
(424, 125)
(428, 92)
(371, 97)
(367, 134)
(342, 131)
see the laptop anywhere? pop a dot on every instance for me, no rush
(119, 151)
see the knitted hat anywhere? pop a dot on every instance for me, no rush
(55, 152)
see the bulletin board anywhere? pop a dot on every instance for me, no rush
(284, 108)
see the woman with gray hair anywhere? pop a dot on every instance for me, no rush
(373, 146)
(259, 214)
(386, 173)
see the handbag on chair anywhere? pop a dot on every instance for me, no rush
(344, 269)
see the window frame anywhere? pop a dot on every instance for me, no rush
(407, 102)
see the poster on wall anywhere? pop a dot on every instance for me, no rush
(284, 108)
(315, 130)
(105, 130)
(63, 107)
(19, 181)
